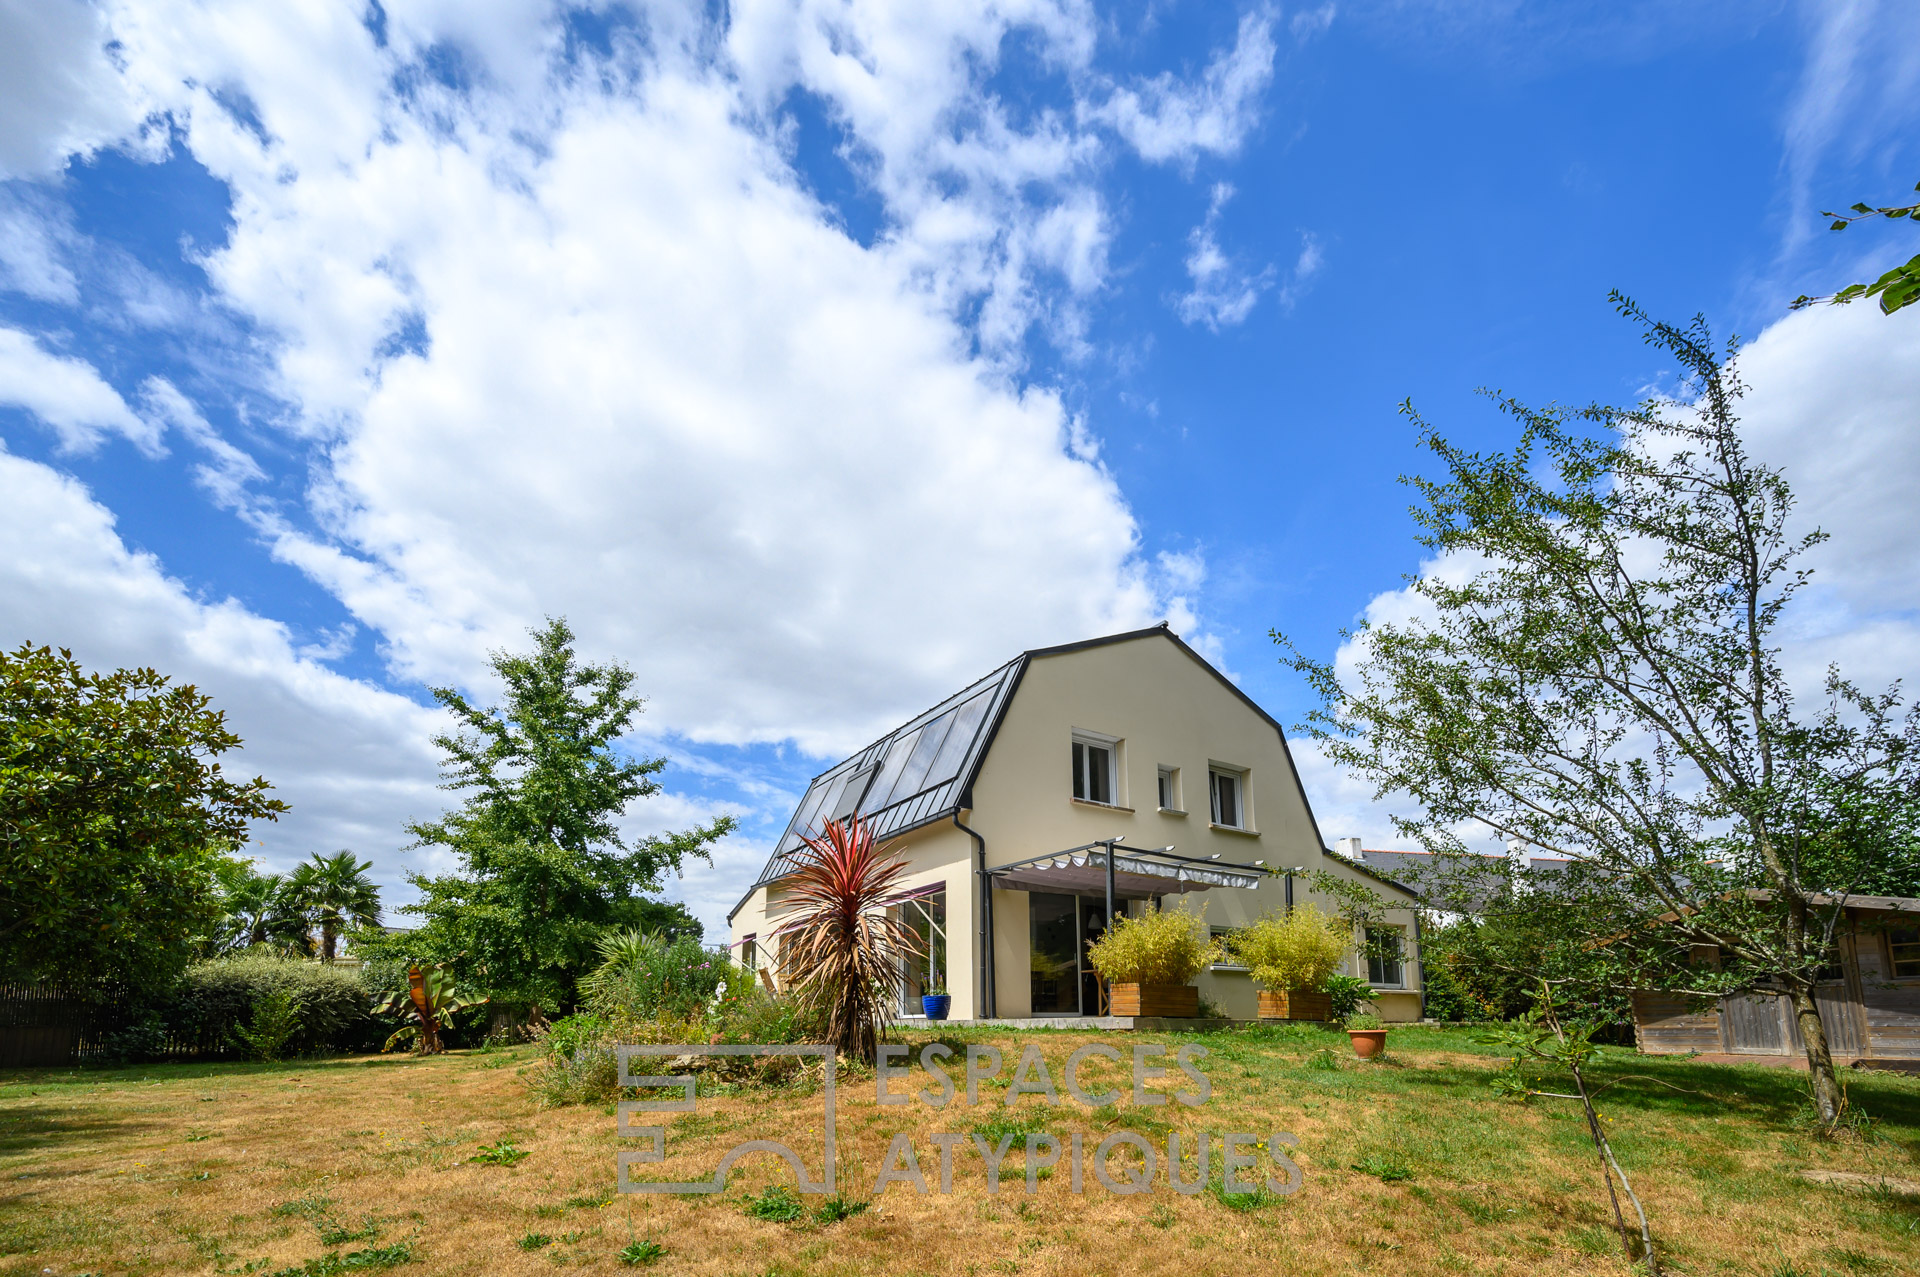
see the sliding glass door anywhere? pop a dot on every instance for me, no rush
(1055, 953)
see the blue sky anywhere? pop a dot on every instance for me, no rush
(814, 358)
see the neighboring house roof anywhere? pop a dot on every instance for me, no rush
(1412, 871)
(923, 770)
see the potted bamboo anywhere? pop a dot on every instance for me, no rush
(1150, 962)
(1291, 956)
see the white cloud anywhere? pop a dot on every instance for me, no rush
(1858, 88)
(354, 761)
(660, 391)
(1224, 292)
(67, 395)
(30, 256)
(227, 472)
(59, 95)
(1166, 119)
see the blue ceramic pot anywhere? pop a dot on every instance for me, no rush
(936, 1005)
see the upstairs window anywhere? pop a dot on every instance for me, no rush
(1169, 789)
(1228, 792)
(1093, 770)
(1383, 957)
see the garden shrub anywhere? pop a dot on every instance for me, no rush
(1297, 950)
(216, 1000)
(647, 977)
(1162, 946)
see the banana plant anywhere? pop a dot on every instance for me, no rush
(431, 998)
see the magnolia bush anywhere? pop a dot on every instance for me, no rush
(1287, 951)
(1160, 946)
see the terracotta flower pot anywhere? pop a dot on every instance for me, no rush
(1368, 1043)
(1163, 1001)
(1295, 1004)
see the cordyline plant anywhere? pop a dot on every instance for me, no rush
(845, 950)
(1595, 673)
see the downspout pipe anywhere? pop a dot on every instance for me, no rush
(989, 1002)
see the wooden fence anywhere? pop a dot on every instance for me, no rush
(51, 1024)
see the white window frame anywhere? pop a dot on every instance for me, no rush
(1238, 775)
(1366, 958)
(1115, 772)
(1227, 962)
(1175, 803)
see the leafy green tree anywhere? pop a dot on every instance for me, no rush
(543, 869)
(1596, 674)
(336, 895)
(114, 816)
(1898, 287)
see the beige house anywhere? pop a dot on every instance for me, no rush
(1123, 768)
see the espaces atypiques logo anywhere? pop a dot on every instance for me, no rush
(1248, 1160)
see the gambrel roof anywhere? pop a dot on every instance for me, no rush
(923, 771)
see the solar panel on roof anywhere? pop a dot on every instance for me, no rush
(905, 779)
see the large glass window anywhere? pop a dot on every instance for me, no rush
(1093, 770)
(1383, 956)
(926, 971)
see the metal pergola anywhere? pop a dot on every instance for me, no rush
(1137, 873)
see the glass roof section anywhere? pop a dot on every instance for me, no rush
(912, 776)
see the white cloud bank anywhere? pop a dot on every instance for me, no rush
(61, 96)
(574, 337)
(360, 756)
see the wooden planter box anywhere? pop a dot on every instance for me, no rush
(1295, 1004)
(1168, 1001)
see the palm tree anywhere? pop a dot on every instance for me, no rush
(259, 909)
(845, 948)
(335, 892)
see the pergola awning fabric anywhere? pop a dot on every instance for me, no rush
(1135, 877)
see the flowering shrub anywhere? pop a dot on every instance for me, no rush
(1158, 947)
(644, 977)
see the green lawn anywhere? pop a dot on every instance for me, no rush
(1412, 1165)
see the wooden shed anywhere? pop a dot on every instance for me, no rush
(1870, 1008)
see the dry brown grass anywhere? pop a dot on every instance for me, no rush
(230, 1169)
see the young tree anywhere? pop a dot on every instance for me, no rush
(113, 817)
(543, 867)
(1597, 675)
(336, 894)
